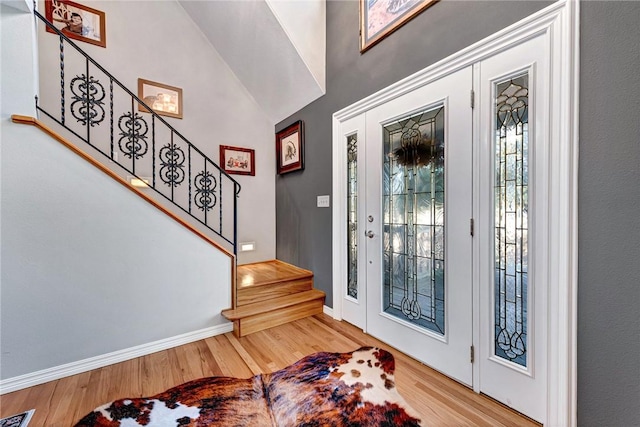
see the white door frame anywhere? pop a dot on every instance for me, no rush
(560, 23)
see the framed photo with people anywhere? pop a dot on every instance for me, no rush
(77, 21)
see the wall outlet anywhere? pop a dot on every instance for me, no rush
(323, 201)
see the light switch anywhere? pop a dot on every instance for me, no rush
(323, 201)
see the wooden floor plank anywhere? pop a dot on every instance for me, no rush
(156, 373)
(77, 410)
(243, 354)
(226, 358)
(440, 400)
(43, 394)
(62, 399)
(13, 403)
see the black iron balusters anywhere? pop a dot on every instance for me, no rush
(88, 106)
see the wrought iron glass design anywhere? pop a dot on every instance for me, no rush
(143, 145)
(511, 205)
(413, 209)
(352, 215)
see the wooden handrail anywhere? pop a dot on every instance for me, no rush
(26, 120)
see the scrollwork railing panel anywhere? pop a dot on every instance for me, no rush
(114, 121)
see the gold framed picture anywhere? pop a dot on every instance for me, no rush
(163, 99)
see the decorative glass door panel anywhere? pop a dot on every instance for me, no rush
(413, 224)
(511, 201)
(351, 154)
(352, 216)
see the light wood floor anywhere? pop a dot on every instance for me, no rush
(440, 401)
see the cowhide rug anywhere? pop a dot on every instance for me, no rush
(322, 389)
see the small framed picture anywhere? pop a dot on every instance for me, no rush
(290, 148)
(77, 21)
(239, 161)
(163, 99)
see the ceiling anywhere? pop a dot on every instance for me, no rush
(278, 57)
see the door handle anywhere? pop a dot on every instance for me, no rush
(369, 234)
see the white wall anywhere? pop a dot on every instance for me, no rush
(19, 60)
(89, 268)
(305, 24)
(156, 40)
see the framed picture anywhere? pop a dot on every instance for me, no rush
(77, 21)
(239, 161)
(290, 148)
(379, 18)
(163, 99)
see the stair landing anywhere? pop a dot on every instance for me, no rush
(272, 293)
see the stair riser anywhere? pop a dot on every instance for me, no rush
(263, 293)
(259, 322)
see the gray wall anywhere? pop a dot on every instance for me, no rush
(609, 276)
(609, 202)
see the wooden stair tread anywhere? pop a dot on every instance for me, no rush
(272, 304)
(268, 273)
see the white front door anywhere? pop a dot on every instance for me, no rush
(510, 164)
(413, 170)
(418, 205)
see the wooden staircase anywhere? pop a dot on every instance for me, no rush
(272, 293)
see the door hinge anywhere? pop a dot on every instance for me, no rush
(473, 98)
(472, 354)
(471, 227)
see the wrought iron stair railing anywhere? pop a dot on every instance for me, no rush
(120, 126)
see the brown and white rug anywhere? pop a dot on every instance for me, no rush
(322, 389)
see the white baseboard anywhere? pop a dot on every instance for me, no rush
(39, 377)
(328, 311)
